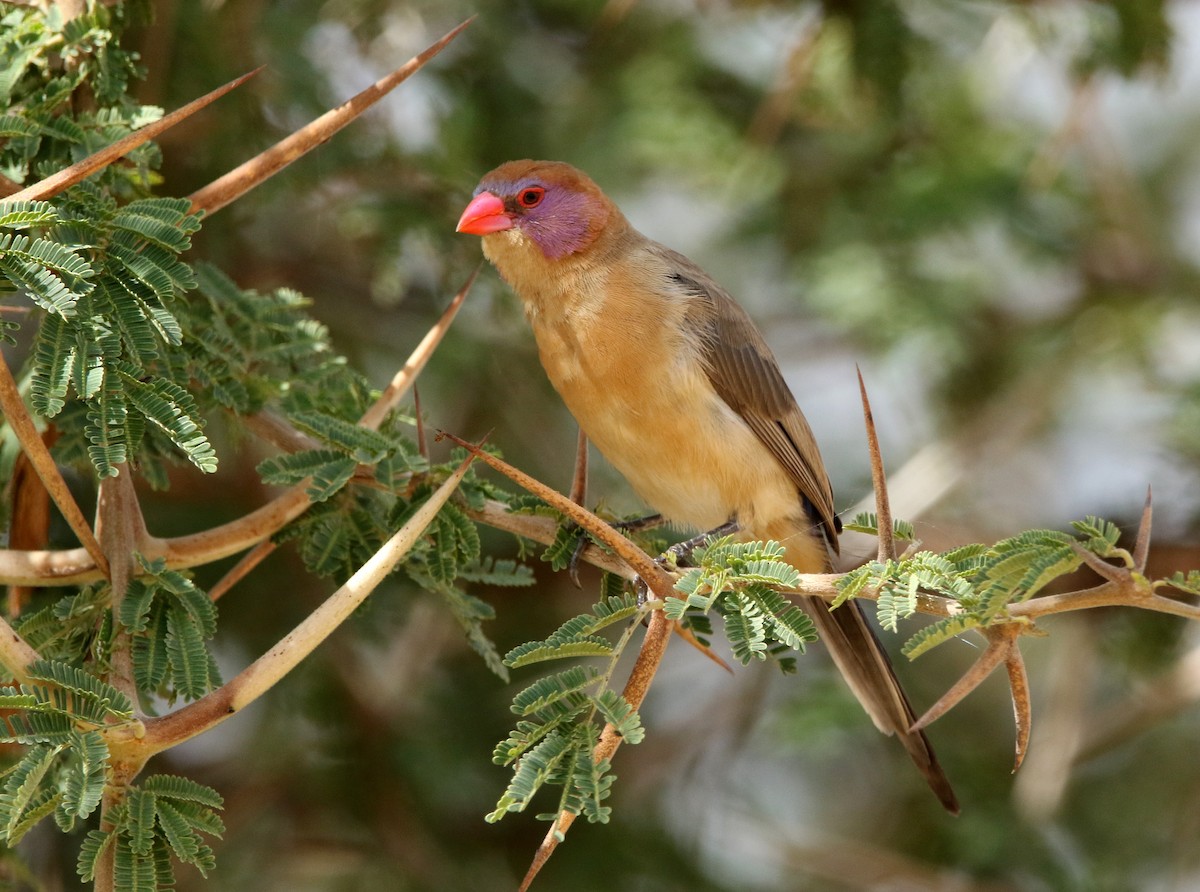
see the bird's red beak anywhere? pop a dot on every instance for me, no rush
(484, 214)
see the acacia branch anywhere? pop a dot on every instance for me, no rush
(257, 678)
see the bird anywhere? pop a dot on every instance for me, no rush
(670, 379)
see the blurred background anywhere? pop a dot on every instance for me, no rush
(992, 208)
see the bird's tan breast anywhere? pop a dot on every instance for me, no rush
(628, 368)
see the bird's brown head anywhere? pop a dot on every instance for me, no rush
(553, 205)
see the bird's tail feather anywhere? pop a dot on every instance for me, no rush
(863, 663)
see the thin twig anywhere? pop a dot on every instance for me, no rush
(43, 463)
(403, 379)
(242, 568)
(246, 176)
(579, 480)
(81, 170)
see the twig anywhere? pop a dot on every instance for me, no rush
(242, 179)
(81, 170)
(242, 568)
(43, 463)
(579, 480)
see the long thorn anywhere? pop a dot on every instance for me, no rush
(993, 656)
(1141, 546)
(81, 170)
(1018, 684)
(246, 176)
(883, 508)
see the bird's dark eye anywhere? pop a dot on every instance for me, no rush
(531, 197)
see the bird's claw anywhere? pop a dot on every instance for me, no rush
(624, 526)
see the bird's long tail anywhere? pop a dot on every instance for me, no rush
(859, 655)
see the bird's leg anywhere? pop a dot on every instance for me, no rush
(632, 525)
(681, 553)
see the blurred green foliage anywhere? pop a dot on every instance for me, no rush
(993, 207)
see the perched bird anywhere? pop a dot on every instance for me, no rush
(673, 383)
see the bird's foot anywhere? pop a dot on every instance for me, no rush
(680, 555)
(624, 526)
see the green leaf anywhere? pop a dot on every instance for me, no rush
(546, 691)
(114, 702)
(617, 711)
(53, 359)
(22, 786)
(533, 770)
(937, 633)
(142, 806)
(172, 408)
(540, 651)
(364, 445)
(95, 844)
(85, 767)
(187, 653)
(285, 470)
(181, 789)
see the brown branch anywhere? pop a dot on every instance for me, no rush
(81, 170)
(242, 568)
(38, 453)
(242, 179)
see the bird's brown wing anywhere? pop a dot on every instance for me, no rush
(744, 372)
(746, 376)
